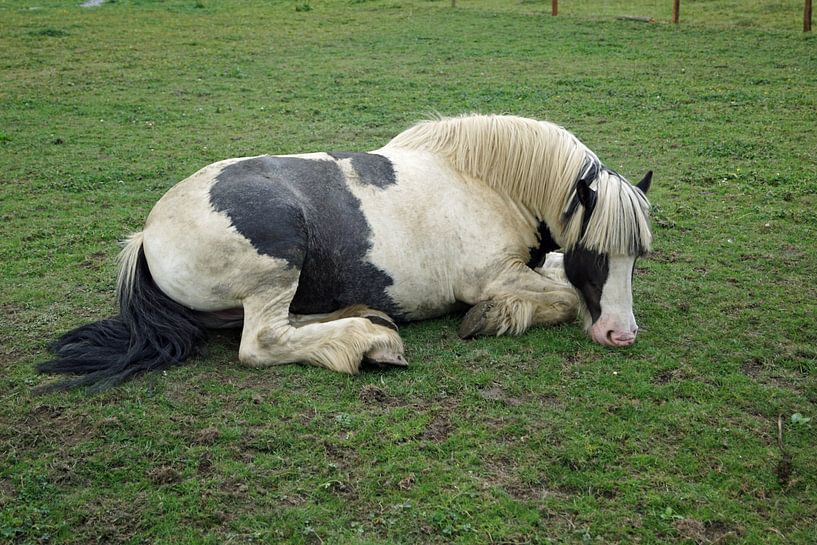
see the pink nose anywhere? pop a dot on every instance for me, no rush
(613, 337)
(617, 338)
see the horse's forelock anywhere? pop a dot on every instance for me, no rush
(619, 222)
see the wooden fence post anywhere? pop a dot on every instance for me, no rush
(807, 16)
(554, 7)
(676, 8)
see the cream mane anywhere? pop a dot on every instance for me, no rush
(537, 164)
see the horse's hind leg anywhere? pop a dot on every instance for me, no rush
(270, 337)
(361, 311)
(378, 357)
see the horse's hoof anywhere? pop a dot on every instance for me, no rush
(382, 358)
(380, 318)
(475, 322)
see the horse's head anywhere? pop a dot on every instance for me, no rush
(603, 275)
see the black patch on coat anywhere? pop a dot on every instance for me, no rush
(371, 168)
(264, 206)
(546, 245)
(301, 210)
(587, 271)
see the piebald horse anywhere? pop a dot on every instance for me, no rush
(317, 256)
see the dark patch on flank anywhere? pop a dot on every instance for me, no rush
(546, 245)
(263, 207)
(371, 168)
(301, 210)
(587, 271)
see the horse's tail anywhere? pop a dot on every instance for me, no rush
(151, 332)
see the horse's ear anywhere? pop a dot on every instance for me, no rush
(587, 197)
(644, 185)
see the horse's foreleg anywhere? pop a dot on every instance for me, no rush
(518, 299)
(340, 344)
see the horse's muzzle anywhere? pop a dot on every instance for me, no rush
(607, 336)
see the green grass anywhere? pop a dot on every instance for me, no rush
(537, 439)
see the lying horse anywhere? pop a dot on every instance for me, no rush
(318, 255)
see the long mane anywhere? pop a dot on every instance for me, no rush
(537, 164)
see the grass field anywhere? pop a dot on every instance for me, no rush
(545, 438)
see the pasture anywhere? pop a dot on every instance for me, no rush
(544, 438)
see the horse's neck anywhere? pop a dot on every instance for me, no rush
(536, 169)
(532, 163)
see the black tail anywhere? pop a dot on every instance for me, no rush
(151, 332)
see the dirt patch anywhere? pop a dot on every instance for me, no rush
(205, 465)
(111, 519)
(776, 374)
(478, 359)
(752, 368)
(341, 488)
(670, 375)
(63, 471)
(207, 436)
(308, 415)
(502, 474)
(791, 252)
(407, 482)
(9, 356)
(95, 261)
(663, 257)
(234, 488)
(12, 315)
(721, 532)
(439, 429)
(496, 423)
(496, 393)
(341, 455)
(8, 492)
(574, 359)
(373, 395)
(54, 424)
(550, 401)
(292, 500)
(164, 475)
(691, 529)
(704, 533)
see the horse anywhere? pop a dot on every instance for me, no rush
(318, 256)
